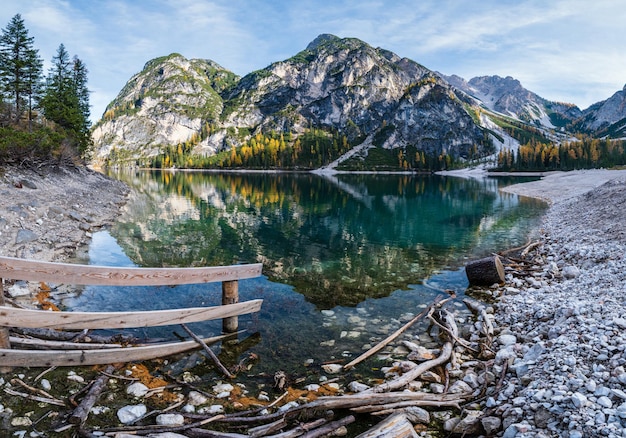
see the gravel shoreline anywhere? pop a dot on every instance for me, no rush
(567, 373)
(49, 214)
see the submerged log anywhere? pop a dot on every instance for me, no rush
(485, 272)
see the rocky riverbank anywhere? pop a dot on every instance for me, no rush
(50, 213)
(559, 342)
(568, 354)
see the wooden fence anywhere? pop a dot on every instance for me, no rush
(75, 274)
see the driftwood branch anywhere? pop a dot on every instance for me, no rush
(208, 350)
(32, 389)
(378, 409)
(394, 426)
(530, 247)
(136, 430)
(330, 427)
(450, 327)
(43, 373)
(82, 411)
(478, 308)
(372, 398)
(413, 374)
(51, 401)
(266, 429)
(204, 433)
(517, 248)
(393, 336)
(58, 335)
(301, 429)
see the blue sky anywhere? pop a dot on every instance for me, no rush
(564, 50)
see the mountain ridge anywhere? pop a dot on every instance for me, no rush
(371, 96)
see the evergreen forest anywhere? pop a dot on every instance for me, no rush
(43, 117)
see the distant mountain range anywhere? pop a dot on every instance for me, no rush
(371, 96)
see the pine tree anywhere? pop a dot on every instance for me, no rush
(79, 78)
(20, 67)
(66, 98)
(34, 80)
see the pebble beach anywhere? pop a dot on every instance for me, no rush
(563, 330)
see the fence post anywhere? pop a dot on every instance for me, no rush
(230, 295)
(4, 331)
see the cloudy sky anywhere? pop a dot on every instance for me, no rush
(564, 50)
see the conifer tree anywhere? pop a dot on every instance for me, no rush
(79, 77)
(20, 68)
(66, 98)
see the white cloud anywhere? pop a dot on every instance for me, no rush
(570, 50)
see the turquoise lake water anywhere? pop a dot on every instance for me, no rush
(347, 258)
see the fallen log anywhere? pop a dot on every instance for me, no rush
(485, 271)
(394, 426)
(364, 398)
(82, 411)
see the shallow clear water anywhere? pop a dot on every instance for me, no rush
(347, 259)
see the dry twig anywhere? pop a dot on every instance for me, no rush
(390, 338)
(208, 350)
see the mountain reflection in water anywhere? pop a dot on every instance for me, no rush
(369, 247)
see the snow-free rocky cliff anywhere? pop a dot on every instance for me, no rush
(607, 117)
(167, 103)
(370, 95)
(508, 96)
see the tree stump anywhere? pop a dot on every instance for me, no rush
(485, 272)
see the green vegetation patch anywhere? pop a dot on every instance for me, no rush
(399, 159)
(518, 130)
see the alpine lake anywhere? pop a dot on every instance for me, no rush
(347, 258)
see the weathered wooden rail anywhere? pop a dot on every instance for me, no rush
(65, 273)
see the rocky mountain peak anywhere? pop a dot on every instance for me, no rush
(607, 117)
(165, 104)
(322, 39)
(369, 95)
(346, 85)
(506, 95)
